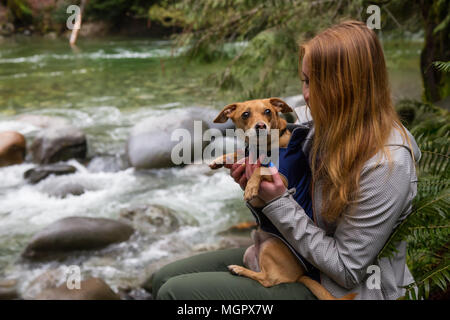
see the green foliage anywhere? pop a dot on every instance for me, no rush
(59, 14)
(166, 17)
(20, 10)
(442, 66)
(427, 228)
(116, 10)
(424, 119)
(271, 30)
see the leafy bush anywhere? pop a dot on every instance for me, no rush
(427, 228)
(272, 30)
(115, 10)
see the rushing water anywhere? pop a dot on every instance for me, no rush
(105, 88)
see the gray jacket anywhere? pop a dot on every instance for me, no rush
(346, 252)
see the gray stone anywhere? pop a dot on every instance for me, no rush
(8, 289)
(149, 218)
(134, 294)
(150, 145)
(90, 289)
(58, 144)
(76, 233)
(37, 174)
(208, 115)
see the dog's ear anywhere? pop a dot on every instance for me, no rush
(280, 105)
(226, 113)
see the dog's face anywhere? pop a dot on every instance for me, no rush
(254, 116)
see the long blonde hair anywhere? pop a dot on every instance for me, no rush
(351, 106)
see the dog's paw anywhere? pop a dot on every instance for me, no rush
(214, 165)
(250, 192)
(234, 269)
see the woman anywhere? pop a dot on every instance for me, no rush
(364, 181)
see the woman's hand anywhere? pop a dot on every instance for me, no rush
(242, 170)
(269, 190)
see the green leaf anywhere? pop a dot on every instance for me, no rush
(442, 66)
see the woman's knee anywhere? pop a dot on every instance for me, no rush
(176, 288)
(159, 278)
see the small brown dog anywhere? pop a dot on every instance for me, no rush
(270, 261)
(255, 117)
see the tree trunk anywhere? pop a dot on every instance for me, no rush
(437, 48)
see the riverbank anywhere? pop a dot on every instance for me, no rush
(48, 19)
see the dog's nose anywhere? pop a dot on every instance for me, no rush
(260, 125)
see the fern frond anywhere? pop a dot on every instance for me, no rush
(442, 66)
(426, 207)
(438, 277)
(435, 156)
(431, 186)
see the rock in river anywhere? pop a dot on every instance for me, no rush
(151, 218)
(40, 173)
(150, 144)
(8, 289)
(76, 233)
(90, 289)
(58, 144)
(12, 148)
(208, 115)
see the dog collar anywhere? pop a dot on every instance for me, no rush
(268, 165)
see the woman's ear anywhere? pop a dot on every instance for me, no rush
(226, 113)
(280, 105)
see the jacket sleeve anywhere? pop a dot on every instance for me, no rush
(360, 234)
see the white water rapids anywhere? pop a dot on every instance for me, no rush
(205, 202)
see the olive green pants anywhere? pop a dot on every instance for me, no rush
(206, 277)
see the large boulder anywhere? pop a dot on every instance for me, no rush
(208, 115)
(58, 144)
(76, 233)
(90, 289)
(37, 174)
(150, 145)
(12, 148)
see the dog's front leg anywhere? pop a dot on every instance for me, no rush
(252, 188)
(226, 158)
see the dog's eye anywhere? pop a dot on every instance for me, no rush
(245, 115)
(267, 112)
